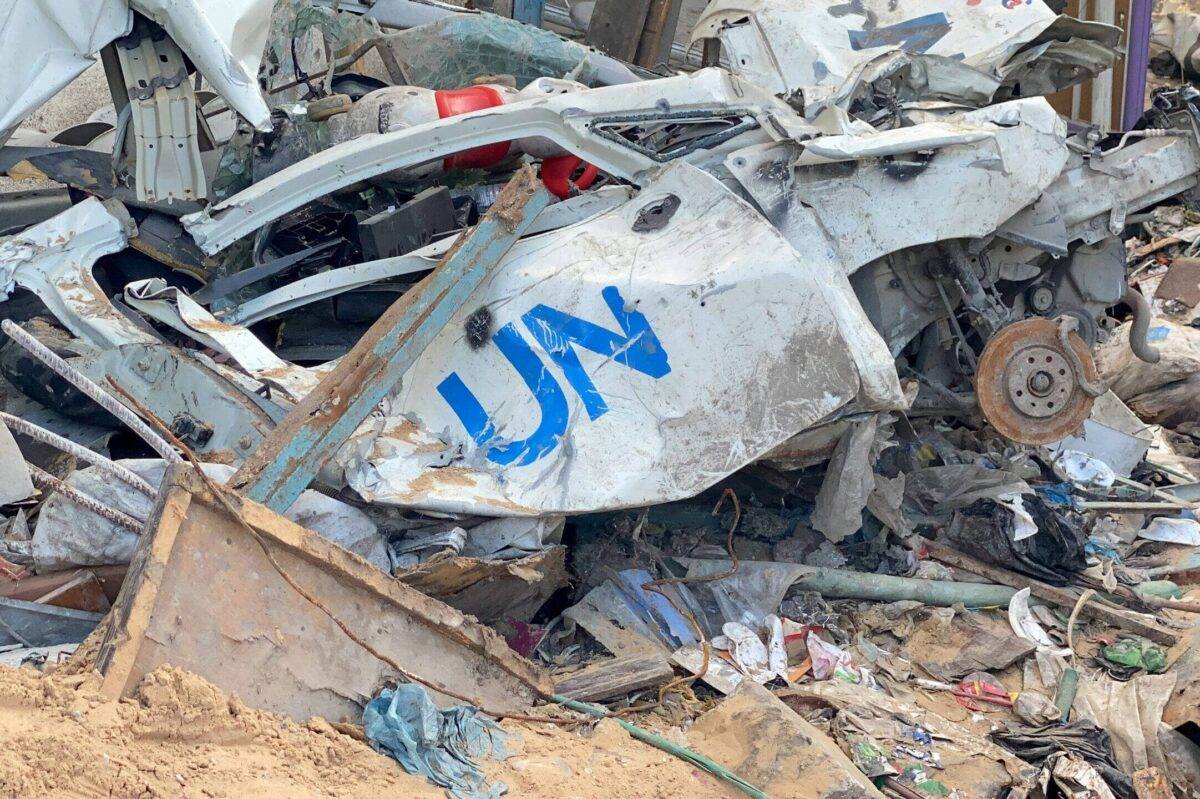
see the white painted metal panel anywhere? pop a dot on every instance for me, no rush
(622, 368)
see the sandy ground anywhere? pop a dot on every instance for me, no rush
(181, 737)
(71, 106)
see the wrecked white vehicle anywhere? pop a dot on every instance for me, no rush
(863, 212)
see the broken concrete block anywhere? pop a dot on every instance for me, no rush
(205, 592)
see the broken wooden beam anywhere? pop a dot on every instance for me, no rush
(82, 592)
(641, 32)
(616, 27)
(35, 588)
(615, 677)
(285, 462)
(1048, 593)
(658, 34)
(207, 592)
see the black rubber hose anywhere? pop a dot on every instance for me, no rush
(1142, 314)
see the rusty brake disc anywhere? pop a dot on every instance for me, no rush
(1026, 384)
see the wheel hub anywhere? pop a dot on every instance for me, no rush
(1026, 385)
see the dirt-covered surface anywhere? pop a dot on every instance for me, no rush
(179, 736)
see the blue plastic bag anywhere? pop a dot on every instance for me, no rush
(440, 745)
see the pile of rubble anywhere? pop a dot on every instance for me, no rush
(806, 399)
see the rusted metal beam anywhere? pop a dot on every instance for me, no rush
(658, 36)
(287, 461)
(641, 32)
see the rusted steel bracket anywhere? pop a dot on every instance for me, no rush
(287, 461)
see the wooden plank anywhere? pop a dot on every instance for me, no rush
(131, 614)
(658, 35)
(1181, 282)
(82, 592)
(1057, 596)
(285, 462)
(615, 677)
(616, 27)
(203, 595)
(491, 591)
(31, 588)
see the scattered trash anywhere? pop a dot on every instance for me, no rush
(992, 531)
(1083, 470)
(1173, 531)
(1136, 655)
(1026, 626)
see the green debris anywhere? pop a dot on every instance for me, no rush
(1161, 589)
(934, 788)
(1136, 654)
(456, 49)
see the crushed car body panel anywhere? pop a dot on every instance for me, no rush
(54, 260)
(67, 35)
(965, 189)
(583, 123)
(223, 38)
(818, 48)
(670, 352)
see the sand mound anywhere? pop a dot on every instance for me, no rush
(179, 736)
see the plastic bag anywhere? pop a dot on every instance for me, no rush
(440, 745)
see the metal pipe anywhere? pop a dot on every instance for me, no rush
(846, 584)
(48, 482)
(44, 436)
(1147, 133)
(843, 584)
(1142, 314)
(102, 398)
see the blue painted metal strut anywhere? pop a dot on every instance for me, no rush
(529, 11)
(288, 460)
